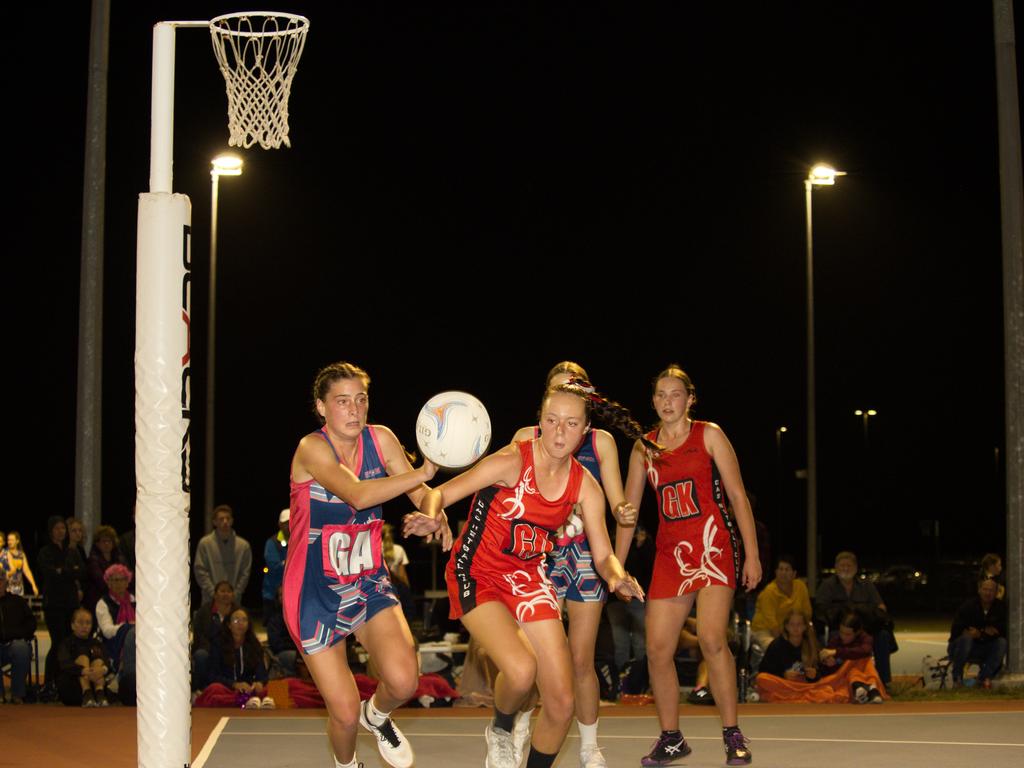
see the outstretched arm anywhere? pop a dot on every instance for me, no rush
(499, 468)
(314, 458)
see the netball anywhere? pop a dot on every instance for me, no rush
(453, 429)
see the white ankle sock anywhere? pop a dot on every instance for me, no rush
(352, 764)
(588, 735)
(374, 715)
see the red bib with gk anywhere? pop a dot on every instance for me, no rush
(351, 551)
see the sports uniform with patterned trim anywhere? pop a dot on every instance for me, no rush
(500, 554)
(570, 564)
(696, 544)
(338, 581)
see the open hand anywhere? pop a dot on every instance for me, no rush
(627, 588)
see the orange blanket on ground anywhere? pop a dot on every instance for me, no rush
(834, 689)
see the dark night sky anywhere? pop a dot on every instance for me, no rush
(475, 191)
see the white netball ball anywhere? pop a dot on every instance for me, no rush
(453, 429)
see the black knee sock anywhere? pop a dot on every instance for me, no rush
(503, 721)
(540, 759)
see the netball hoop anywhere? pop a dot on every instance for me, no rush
(258, 55)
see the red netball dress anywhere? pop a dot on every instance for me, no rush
(500, 553)
(696, 545)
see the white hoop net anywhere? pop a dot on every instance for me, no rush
(258, 54)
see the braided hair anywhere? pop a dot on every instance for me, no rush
(611, 413)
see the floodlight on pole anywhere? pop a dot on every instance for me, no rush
(226, 164)
(819, 175)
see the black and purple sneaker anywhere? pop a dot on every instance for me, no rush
(736, 749)
(668, 750)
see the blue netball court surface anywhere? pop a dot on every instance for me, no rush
(833, 736)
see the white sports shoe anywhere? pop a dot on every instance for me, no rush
(501, 750)
(521, 735)
(268, 703)
(252, 703)
(393, 745)
(592, 757)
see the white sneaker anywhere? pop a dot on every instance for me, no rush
(393, 745)
(252, 703)
(591, 757)
(521, 735)
(268, 703)
(501, 750)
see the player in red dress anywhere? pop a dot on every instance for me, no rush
(496, 579)
(698, 557)
(578, 587)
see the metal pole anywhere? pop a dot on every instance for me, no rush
(1012, 216)
(812, 436)
(211, 341)
(89, 421)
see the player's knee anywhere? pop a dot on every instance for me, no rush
(402, 682)
(661, 651)
(559, 704)
(712, 643)
(520, 673)
(583, 664)
(343, 718)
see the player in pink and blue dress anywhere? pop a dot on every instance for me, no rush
(571, 571)
(336, 582)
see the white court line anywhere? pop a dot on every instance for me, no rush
(647, 737)
(746, 715)
(211, 741)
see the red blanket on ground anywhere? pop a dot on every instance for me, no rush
(306, 695)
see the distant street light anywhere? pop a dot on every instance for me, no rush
(820, 175)
(865, 415)
(222, 165)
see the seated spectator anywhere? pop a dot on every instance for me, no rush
(14, 563)
(793, 655)
(206, 627)
(83, 665)
(979, 634)
(103, 555)
(275, 553)
(777, 601)
(279, 640)
(116, 614)
(237, 672)
(17, 627)
(844, 592)
(792, 670)
(850, 643)
(992, 568)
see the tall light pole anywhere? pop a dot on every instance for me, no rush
(222, 165)
(820, 175)
(780, 517)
